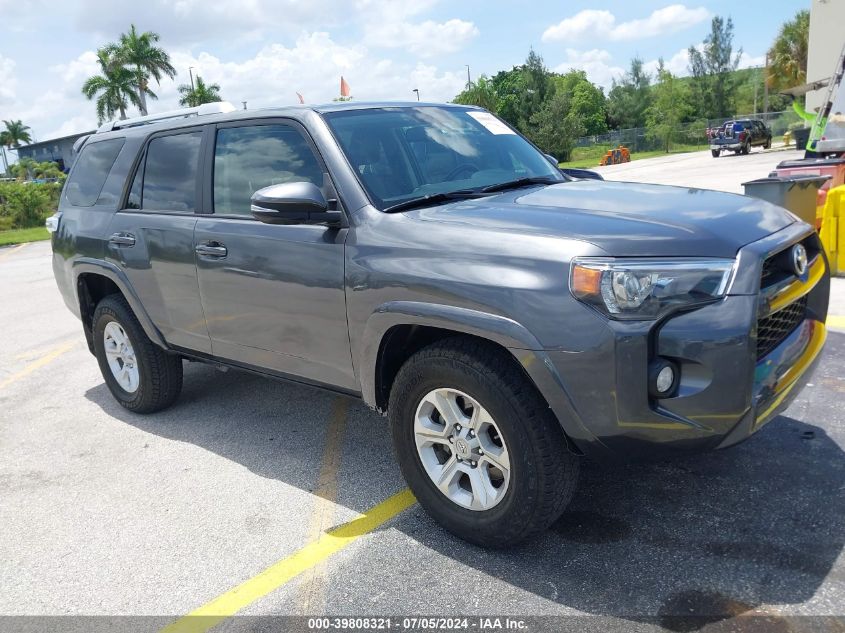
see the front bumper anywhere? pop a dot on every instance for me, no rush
(726, 392)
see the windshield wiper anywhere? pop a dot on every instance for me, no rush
(435, 198)
(521, 182)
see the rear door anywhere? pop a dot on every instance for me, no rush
(152, 237)
(273, 295)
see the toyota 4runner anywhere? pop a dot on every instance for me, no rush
(427, 258)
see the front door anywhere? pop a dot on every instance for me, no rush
(273, 295)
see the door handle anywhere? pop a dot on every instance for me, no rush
(211, 249)
(122, 239)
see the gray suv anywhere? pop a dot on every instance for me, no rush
(428, 259)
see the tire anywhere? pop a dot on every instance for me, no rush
(543, 473)
(715, 152)
(746, 149)
(768, 144)
(158, 374)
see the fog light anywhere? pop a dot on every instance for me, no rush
(665, 379)
(662, 378)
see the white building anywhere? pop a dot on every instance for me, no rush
(827, 37)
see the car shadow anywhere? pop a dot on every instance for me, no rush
(681, 544)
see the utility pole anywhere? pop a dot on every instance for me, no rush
(766, 86)
(469, 81)
(244, 102)
(417, 90)
(190, 72)
(756, 85)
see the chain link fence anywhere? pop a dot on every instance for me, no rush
(690, 135)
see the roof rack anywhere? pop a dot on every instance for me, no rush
(219, 107)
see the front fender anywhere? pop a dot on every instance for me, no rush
(85, 265)
(510, 334)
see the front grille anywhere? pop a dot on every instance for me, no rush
(773, 329)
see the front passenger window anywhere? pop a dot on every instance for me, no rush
(250, 158)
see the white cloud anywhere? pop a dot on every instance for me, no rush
(425, 39)
(272, 77)
(597, 63)
(594, 23)
(8, 81)
(313, 67)
(678, 64)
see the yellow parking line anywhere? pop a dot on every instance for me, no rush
(229, 603)
(37, 364)
(313, 584)
(14, 249)
(836, 321)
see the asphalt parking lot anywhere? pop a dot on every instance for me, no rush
(700, 169)
(217, 506)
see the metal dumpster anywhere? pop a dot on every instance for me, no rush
(797, 193)
(833, 167)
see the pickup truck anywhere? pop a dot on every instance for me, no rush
(739, 137)
(508, 319)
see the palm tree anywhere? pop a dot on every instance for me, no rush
(114, 88)
(138, 51)
(202, 93)
(788, 55)
(15, 133)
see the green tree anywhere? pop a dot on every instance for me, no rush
(199, 94)
(630, 97)
(480, 93)
(788, 54)
(712, 68)
(669, 108)
(587, 101)
(145, 60)
(556, 126)
(114, 88)
(522, 91)
(26, 204)
(15, 133)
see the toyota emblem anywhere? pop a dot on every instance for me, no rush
(799, 259)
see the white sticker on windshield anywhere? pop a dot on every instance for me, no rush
(491, 123)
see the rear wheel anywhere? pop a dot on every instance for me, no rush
(715, 153)
(746, 149)
(141, 376)
(477, 445)
(768, 144)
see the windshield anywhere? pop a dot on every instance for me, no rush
(404, 153)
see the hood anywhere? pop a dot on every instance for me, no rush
(623, 219)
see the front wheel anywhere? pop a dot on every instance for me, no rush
(477, 445)
(715, 153)
(141, 376)
(768, 144)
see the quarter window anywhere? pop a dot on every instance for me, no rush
(250, 158)
(170, 174)
(92, 169)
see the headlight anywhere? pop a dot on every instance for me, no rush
(648, 288)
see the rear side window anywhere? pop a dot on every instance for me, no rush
(92, 168)
(170, 174)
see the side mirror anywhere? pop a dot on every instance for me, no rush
(293, 203)
(554, 161)
(581, 174)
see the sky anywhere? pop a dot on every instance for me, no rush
(265, 51)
